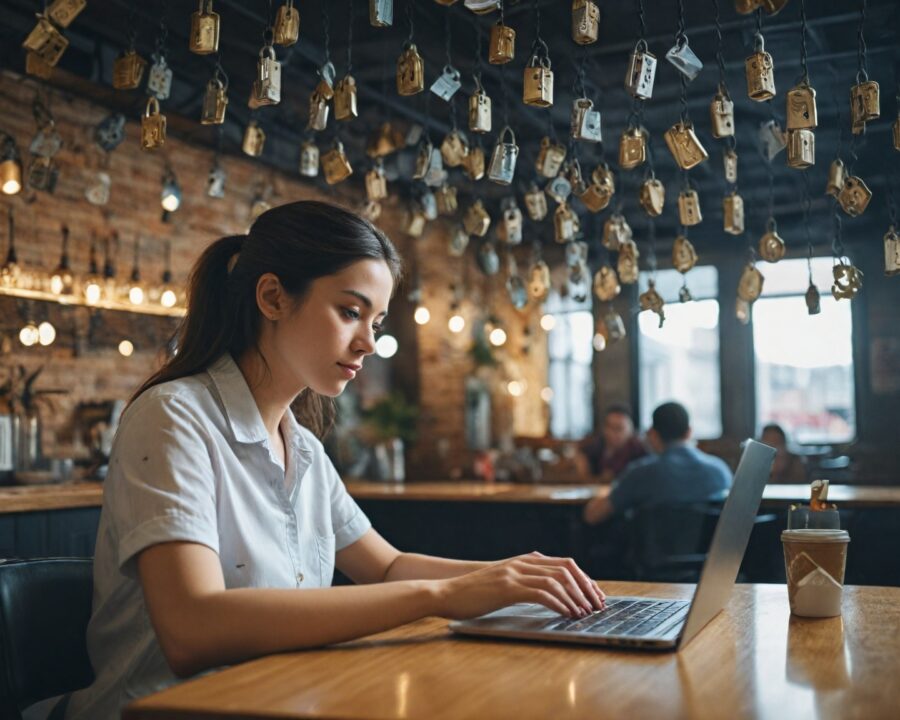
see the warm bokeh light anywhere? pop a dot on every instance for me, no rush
(386, 346)
(546, 394)
(548, 322)
(29, 335)
(136, 295)
(456, 323)
(168, 298)
(515, 388)
(126, 347)
(497, 337)
(92, 293)
(422, 315)
(46, 333)
(599, 342)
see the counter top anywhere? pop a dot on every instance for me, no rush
(61, 496)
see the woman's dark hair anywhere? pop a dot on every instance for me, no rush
(777, 429)
(298, 242)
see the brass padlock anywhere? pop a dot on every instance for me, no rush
(801, 148)
(371, 211)
(847, 281)
(538, 82)
(376, 183)
(454, 148)
(345, 99)
(539, 281)
(35, 65)
(63, 12)
(410, 72)
(153, 126)
(504, 157)
(800, 104)
(267, 86)
(46, 41)
(204, 38)
(891, 252)
(751, 283)
(627, 266)
(865, 105)
(745, 7)
(585, 21)
(652, 196)
(612, 327)
(254, 139)
(684, 145)
(510, 228)
(309, 159)
(336, 165)
(632, 148)
(474, 164)
(318, 111)
(594, 197)
(415, 222)
(480, 111)
(689, 208)
(684, 257)
(128, 70)
(895, 130)
(565, 224)
(616, 230)
(854, 196)
(641, 72)
(215, 101)
(535, 203)
(652, 300)
(604, 177)
(771, 244)
(502, 47)
(287, 24)
(837, 174)
(381, 13)
(446, 197)
(550, 157)
(476, 220)
(383, 141)
(760, 71)
(606, 284)
(585, 122)
(721, 114)
(733, 214)
(730, 165)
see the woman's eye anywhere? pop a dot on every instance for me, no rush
(351, 314)
(377, 327)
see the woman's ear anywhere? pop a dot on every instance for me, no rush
(270, 296)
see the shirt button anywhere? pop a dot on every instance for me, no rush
(299, 577)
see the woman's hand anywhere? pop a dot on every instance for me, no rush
(556, 583)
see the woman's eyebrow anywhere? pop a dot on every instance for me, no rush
(365, 300)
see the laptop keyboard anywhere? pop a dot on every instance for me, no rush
(623, 617)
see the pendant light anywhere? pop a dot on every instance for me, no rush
(10, 167)
(135, 291)
(92, 287)
(10, 271)
(168, 295)
(62, 281)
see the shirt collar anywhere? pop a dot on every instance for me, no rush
(241, 411)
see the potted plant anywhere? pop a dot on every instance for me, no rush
(389, 423)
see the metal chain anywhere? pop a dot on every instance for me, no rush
(685, 118)
(503, 99)
(325, 35)
(720, 55)
(409, 19)
(651, 241)
(803, 64)
(891, 197)
(449, 38)
(132, 25)
(580, 72)
(537, 27)
(641, 22)
(862, 74)
(551, 131)
(163, 36)
(807, 206)
(680, 35)
(681, 39)
(770, 176)
(349, 36)
(837, 247)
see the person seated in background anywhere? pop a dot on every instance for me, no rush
(788, 468)
(678, 473)
(606, 454)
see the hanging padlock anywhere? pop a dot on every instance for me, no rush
(895, 130)
(684, 59)
(254, 139)
(43, 174)
(327, 75)
(760, 71)
(454, 149)
(577, 282)
(267, 86)
(745, 7)
(46, 41)
(459, 241)
(684, 293)
(865, 104)
(652, 196)
(612, 327)
(479, 110)
(345, 99)
(594, 197)
(482, 7)
(215, 181)
(606, 284)
(502, 46)
(813, 300)
(447, 83)
(476, 220)
(632, 148)
(159, 78)
(616, 230)
(801, 148)
(772, 138)
(97, 193)
(410, 71)
(771, 244)
(652, 300)
(539, 281)
(110, 132)
(565, 224)
(684, 256)
(153, 126)
(854, 196)
(576, 253)
(428, 201)
(376, 183)
(721, 114)
(415, 221)
(370, 210)
(685, 146)
(435, 175)
(287, 24)
(689, 208)
(627, 265)
(730, 165)
(847, 281)
(515, 286)
(800, 105)
(585, 124)
(204, 38)
(585, 21)
(550, 157)
(504, 157)
(641, 72)
(381, 13)
(474, 164)
(318, 111)
(751, 283)
(215, 102)
(63, 12)
(733, 214)
(36, 66)
(336, 164)
(510, 228)
(309, 159)
(559, 188)
(446, 197)
(535, 203)
(538, 81)
(891, 252)
(604, 177)
(128, 70)
(837, 174)
(384, 141)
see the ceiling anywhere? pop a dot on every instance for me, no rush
(98, 34)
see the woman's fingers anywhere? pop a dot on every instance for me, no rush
(588, 588)
(561, 575)
(546, 585)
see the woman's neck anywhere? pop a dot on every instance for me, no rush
(271, 398)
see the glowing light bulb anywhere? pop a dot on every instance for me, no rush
(422, 315)
(92, 292)
(546, 394)
(46, 333)
(29, 335)
(456, 323)
(548, 322)
(515, 388)
(386, 346)
(497, 337)
(168, 298)
(599, 342)
(126, 348)
(136, 294)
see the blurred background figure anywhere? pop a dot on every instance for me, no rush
(788, 468)
(605, 454)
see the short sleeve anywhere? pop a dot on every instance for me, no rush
(161, 484)
(349, 521)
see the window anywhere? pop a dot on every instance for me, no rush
(680, 360)
(571, 351)
(804, 363)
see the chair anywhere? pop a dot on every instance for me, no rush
(45, 606)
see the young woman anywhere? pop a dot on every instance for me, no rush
(223, 519)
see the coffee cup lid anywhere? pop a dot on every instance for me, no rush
(815, 535)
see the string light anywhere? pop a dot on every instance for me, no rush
(46, 333)
(126, 348)
(386, 346)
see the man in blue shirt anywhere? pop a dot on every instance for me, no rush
(678, 473)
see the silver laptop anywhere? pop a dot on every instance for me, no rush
(652, 623)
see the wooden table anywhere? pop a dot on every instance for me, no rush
(60, 496)
(753, 661)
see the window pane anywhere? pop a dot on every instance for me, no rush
(703, 281)
(680, 361)
(571, 354)
(791, 277)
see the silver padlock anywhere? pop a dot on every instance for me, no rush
(641, 72)
(447, 84)
(510, 228)
(159, 79)
(47, 142)
(559, 188)
(585, 121)
(459, 241)
(98, 193)
(110, 132)
(435, 175)
(267, 86)
(503, 159)
(772, 138)
(535, 203)
(215, 181)
(318, 111)
(381, 13)
(309, 159)
(428, 201)
(801, 150)
(684, 59)
(730, 165)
